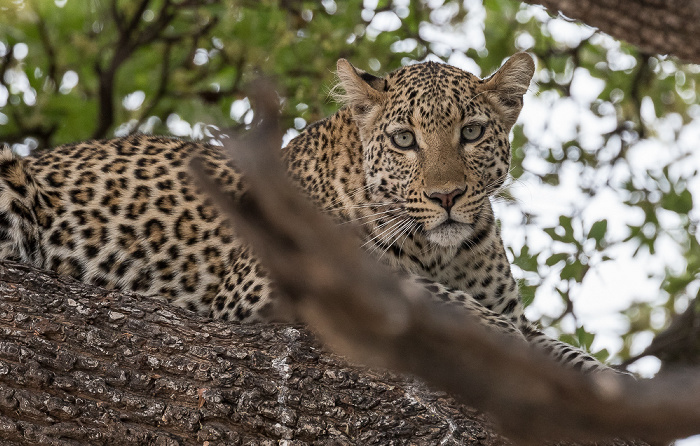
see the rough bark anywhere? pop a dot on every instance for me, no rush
(655, 26)
(84, 365)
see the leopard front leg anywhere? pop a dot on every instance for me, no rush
(563, 353)
(513, 323)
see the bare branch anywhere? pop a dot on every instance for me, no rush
(117, 16)
(49, 48)
(679, 344)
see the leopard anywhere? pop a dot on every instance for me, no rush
(413, 158)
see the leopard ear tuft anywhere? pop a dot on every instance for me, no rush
(361, 91)
(507, 86)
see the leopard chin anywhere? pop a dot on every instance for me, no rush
(450, 234)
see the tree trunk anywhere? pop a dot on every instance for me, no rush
(80, 364)
(85, 365)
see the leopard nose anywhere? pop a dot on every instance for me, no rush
(446, 200)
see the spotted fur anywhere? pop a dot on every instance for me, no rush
(125, 213)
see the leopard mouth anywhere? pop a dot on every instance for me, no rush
(450, 233)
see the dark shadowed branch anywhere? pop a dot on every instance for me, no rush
(679, 344)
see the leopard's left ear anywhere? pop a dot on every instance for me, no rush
(362, 91)
(506, 87)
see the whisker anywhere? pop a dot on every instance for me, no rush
(380, 221)
(370, 205)
(505, 183)
(427, 249)
(384, 244)
(476, 96)
(393, 222)
(468, 242)
(408, 231)
(385, 225)
(374, 215)
(396, 229)
(359, 209)
(395, 236)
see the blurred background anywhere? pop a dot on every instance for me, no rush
(599, 217)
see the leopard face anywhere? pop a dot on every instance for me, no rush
(435, 141)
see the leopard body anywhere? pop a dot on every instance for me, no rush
(412, 159)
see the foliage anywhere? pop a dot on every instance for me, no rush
(76, 69)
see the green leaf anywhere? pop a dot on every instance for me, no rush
(569, 339)
(556, 258)
(598, 230)
(525, 261)
(585, 339)
(527, 294)
(574, 270)
(681, 203)
(601, 355)
(552, 233)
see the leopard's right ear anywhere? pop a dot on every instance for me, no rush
(506, 87)
(362, 91)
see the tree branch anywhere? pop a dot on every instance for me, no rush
(655, 26)
(372, 316)
(679, 344)
(84, 365)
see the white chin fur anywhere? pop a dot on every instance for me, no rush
(449, 235)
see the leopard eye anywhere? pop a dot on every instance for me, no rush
(404, 140)
(471, 133)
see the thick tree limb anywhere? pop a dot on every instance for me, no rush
(83, 365)
(655, 26)
(370, 315)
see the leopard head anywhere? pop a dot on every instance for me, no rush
(435, 140)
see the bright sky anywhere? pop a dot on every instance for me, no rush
(613, 285)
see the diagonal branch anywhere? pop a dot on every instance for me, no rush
(371, 315)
